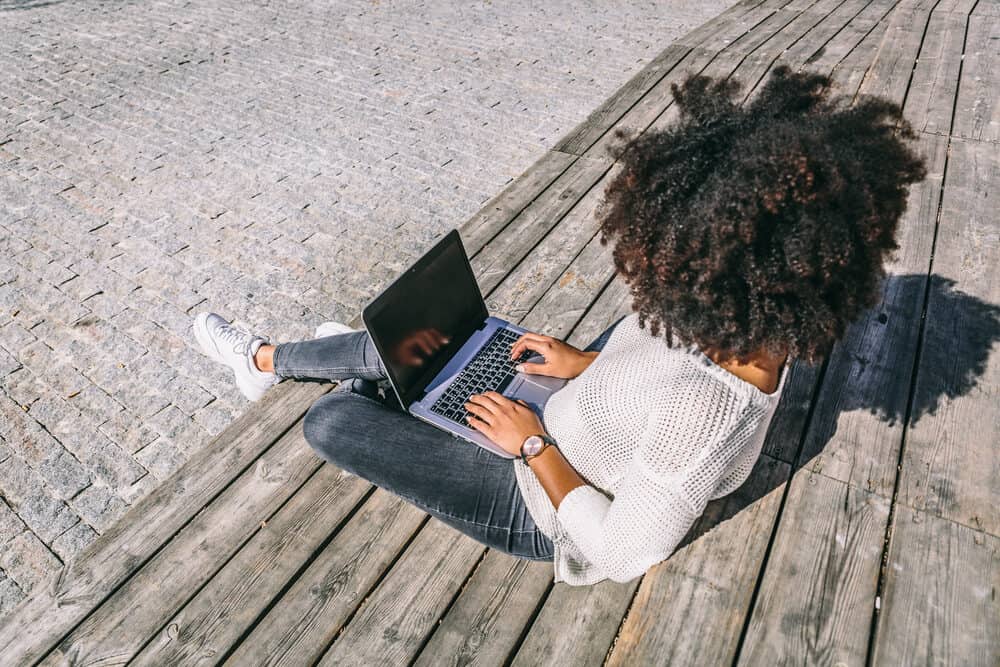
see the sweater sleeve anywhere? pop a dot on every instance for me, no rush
(665, 487)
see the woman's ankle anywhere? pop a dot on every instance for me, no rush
(263, 358)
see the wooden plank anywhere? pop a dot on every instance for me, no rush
(849, 38)
(942, 595)
(569, 298)
(499, 211)
(950, 465)
(650, 107)
(754, 69)
(614, 303)
(722, 54)
(504, 252)
(978, 113)
(799, 53)
(580, 138)
(298, 629)
(710, 37)
(721, 27)
(116, 630)
(391, 624)
(816, 597)
(858, 423)
(43, 619)
(890, 72)
(538, 274)
(690, 609)
(215, 618)
(484, 625)
(593, 613)
(733, 33)
(935, 77)
(849, 73)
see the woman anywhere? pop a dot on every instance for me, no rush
(748, 236)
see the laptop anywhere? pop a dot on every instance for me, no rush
(440, 345)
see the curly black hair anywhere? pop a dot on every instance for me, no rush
(764, 226)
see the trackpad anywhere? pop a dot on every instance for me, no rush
(534, 394)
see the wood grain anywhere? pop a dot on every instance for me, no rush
(116, 630)
(539, 273)
(501, 255)
(483, 626)
(691, 608)
(942, 595)
(815, 601)
(935, 77)
(307, 618)
(594, 614)
(978, 113)
(950, 465)
(214, 619)
(858, 423)
(391, 624)
(500, 210)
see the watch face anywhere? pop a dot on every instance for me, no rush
(532, 445)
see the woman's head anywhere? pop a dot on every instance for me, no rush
(762, 227)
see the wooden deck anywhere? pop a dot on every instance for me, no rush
(869, 531)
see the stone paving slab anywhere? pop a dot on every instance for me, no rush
(275, 163)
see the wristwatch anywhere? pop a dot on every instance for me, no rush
(534, 445)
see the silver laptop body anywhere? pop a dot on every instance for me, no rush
(439, 344)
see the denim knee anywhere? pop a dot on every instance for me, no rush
(326, 424)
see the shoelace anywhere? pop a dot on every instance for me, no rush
(238, 339)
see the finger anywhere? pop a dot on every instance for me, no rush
(528, 341)
(500, 400)
(483, 402)
(411, 358)
(480, 412)
(480, 426)
(427, 343)
(533, 368)
(439, 338)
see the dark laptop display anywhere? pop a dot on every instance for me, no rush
(421, 320)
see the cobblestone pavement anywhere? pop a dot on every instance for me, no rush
(275, 162)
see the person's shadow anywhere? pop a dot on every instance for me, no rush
(876, 362)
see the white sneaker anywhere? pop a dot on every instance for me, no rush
(332, 329)
(235, 348)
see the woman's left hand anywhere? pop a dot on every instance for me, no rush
(507, 423)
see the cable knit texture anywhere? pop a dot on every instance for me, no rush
(657, 431)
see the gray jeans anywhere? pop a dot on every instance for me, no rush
(358, 430)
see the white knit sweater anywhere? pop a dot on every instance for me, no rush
(657, 431)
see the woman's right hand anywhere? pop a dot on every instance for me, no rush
(562, 360)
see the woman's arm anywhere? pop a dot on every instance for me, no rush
(555, 473)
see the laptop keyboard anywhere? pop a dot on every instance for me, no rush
(491, 369)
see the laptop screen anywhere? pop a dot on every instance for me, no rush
(421, 320)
